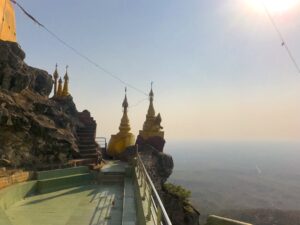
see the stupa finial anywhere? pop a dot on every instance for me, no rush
(151, 94)
(151, 111)
(59, 89)
(125, 126)
(65, 91)
(125, 102)
(55, 76)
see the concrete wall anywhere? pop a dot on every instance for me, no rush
(17, 177)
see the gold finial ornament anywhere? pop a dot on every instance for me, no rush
(120, 141)
(7, 21)
(124, 125)
(65, 91)
(59, 89)
(152, 127)
(55, 76)
(151, 111)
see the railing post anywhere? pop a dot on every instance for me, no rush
(142, 179)
(145, 187)
(138, 172)
(149, 204)
(158, 215)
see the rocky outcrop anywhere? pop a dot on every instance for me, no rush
(180, 211)
(34, 130)
(160, 166)
(16, 76)
(155, 141)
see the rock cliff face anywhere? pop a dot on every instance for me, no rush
(160, 167)
(16, 76)
(181, 212)
(34, 130)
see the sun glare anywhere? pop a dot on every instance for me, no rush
(273, 5)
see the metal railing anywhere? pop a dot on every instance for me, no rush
(155, 208)
(102, 142)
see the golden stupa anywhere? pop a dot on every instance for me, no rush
(152, 127)
(65, 90)
(120, 141)
(59, 89)
(55, 78)
(7, 22)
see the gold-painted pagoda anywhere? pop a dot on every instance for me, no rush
(152, 127)
(61, 89)
(65, 91)
(120, 141)
(7, 22)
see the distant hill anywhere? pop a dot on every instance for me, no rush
(255, 182)
(265, 216)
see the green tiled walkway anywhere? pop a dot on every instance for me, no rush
(86, 205)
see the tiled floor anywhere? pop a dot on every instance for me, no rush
(87, 205)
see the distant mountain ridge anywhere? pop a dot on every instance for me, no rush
(265, 216)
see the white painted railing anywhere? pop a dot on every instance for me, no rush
(155, 208)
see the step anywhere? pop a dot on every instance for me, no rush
(86, 134)
(89, 155)
(83, 162)
(59, 183)
(94, 149)
(87, 143)
(86, 139)
(61, 172)
(88, 151)
(129, 215)
(86, 146)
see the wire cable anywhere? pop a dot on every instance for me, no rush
(138, 103)
(78, 53)
(283, 42)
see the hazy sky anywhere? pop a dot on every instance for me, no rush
(218, 66)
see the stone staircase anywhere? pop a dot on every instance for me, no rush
(117, 172)
(88, 148)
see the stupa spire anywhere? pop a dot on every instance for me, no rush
(55, 76)
(152, 130)
(125, 126)
(151, 111)
(59, 89)
(65, 91)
